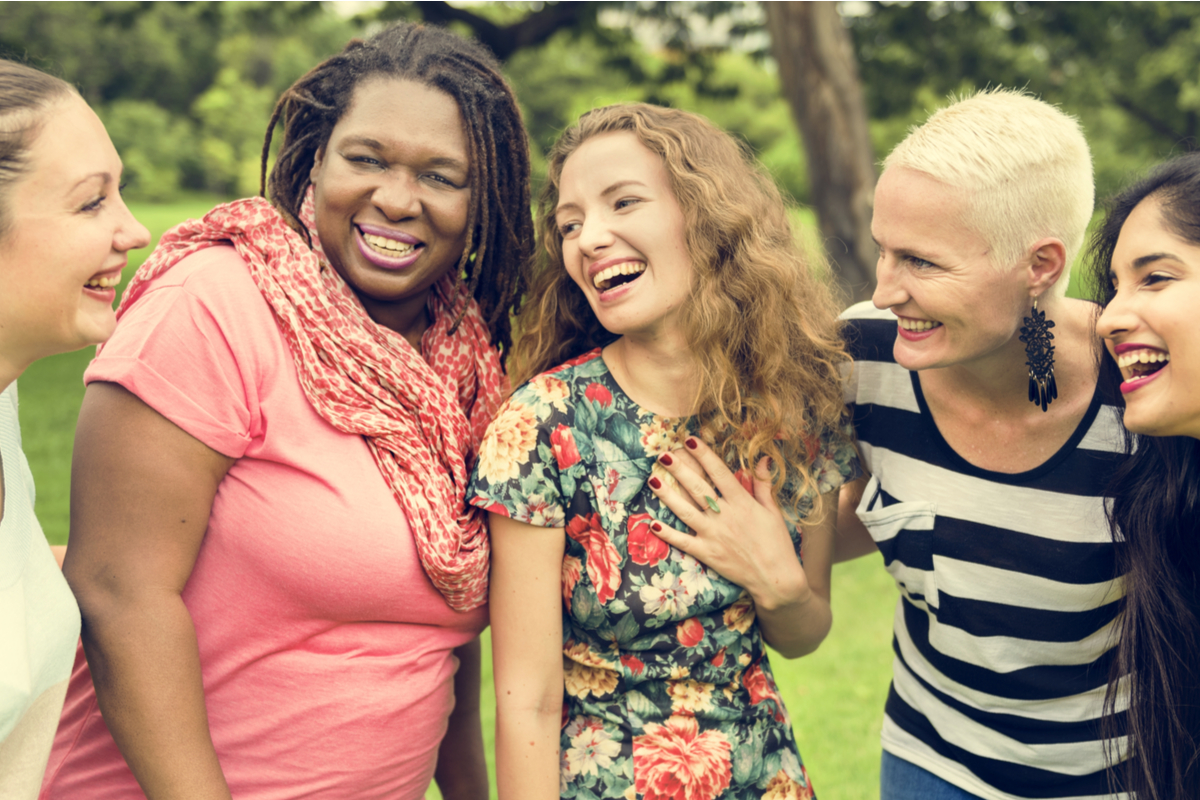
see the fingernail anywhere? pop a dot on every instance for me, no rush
(655, 483)
(691, 442)
(656, 527)
(666, 460)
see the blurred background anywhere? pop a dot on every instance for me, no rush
(819, 91)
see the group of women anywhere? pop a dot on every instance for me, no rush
(300, 481)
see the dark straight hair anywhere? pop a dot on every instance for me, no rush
(1155, 516)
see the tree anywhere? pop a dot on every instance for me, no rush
(820, 78)
(817, 70)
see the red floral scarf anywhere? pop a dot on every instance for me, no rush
(423, 417)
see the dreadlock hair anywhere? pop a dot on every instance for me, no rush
(499, 224)
(762, 329)
(1155, 517)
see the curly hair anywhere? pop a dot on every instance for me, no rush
(761, 327)
(499, 225)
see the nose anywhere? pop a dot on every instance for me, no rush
(1117, 318)
(888, 290)
(397, 196)
(130, 234)
(594, 235)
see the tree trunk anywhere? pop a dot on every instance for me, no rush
(819, 77)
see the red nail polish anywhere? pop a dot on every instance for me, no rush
(666, 460)
(655, 483)
(656, 526)
(691, 443)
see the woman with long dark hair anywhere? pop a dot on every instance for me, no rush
(1147, 267)
(280, 582)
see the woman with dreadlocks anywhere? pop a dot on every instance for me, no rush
(277, 573)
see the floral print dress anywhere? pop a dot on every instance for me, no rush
(668, 689)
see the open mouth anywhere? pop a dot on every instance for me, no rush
(618, 275)
(392, 248)
(917, 325)
(1136, 364)
(107, 282)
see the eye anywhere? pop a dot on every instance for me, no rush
(366, 161)
(94, 205)
(626, 202)
(1157, 278)
(918, 263)
(565, 229)
(442, 180)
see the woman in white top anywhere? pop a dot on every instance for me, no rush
(64, 235)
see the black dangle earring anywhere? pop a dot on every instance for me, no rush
(1039, 352)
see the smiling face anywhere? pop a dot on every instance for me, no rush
(1150, 324)
(392, 194)
(67, 235)
(623, 235)
(953, 306)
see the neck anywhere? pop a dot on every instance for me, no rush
(10, 369)
(1000, 380)
(659, 374)
(407, 317)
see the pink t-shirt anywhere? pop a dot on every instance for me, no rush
(325, 650)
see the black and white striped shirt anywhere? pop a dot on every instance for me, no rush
(1004, 627)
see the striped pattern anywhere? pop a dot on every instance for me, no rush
(1004, 626)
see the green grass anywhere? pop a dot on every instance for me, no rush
(835, 696)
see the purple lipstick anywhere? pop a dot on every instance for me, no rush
(387, 249)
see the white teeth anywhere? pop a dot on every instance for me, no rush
(917, 325)
(393, 247)
(103, 283)
(1141, 357)
(600, 279)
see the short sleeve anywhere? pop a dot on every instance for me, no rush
(518, 471)
(837, 459)
(187, 348)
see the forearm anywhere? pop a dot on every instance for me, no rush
(797, 628)
(527, 751)
(146, 668)
(461, 772)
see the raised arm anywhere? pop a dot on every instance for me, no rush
(746, 540)
(141, 493)
(526, 610)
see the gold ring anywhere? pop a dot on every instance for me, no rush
(712, 504)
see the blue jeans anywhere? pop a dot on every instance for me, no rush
(903, 780)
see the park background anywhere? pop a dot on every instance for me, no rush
(819, 91)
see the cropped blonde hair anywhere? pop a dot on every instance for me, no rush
(762, 329)
(1024, 165)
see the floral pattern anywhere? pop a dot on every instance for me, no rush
(668, 691)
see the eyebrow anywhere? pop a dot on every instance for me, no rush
(105, 177)
(1142, 262)
(614, 188)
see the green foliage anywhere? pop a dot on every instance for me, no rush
(1129, 71)
(186, 89)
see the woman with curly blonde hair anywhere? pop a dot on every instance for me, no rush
(650, 486)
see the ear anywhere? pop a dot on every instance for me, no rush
(318, 162)
(1047, 263)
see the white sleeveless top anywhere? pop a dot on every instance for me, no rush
(39, 624)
